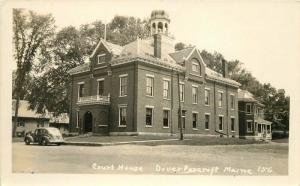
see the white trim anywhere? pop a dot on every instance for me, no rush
(195, 112)
(101, 79)
(80, 83)
(220, 91)
(196, 86)
(149, 106)
(206, 113)
(100, 55)
(166, 79)
(195, 129)
(119, 107)
(206, 88)
(150, 75)
(166, 108)
(123, 75)
(202, 61)
(180, 82)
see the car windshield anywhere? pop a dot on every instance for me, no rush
(54, 131)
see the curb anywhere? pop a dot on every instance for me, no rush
(112, 143)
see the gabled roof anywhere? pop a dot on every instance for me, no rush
(25, 112)
(181, 55)
(113, 48)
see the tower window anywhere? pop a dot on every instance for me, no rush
(160, 27)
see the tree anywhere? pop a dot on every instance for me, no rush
(30, 32)
(70, 47)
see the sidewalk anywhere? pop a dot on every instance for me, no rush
(115, 140)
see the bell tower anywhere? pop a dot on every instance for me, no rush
(160, 22)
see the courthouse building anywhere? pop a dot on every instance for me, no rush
(140, 88)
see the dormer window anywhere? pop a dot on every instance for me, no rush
(195, 67)
(101, 58)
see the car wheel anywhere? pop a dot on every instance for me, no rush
(27, 141)
(44, 142)
(58, 144)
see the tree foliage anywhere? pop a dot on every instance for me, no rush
(30, 32)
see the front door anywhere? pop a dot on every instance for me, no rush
(88, 122)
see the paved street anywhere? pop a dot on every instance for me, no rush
(253, 159)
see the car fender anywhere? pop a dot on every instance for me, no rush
(29, 137)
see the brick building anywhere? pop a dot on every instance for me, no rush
(251, 118)
(139, 89)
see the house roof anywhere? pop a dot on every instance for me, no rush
(260, 120)
(181, 55)
(113, 48)
(215, 76)
(25, 112)
(81, 68)
(246, 96)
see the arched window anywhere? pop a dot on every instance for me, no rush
(196, 67)
(166, 26)
(153, 25)
(160, 27)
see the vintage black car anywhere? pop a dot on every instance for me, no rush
(44, 136)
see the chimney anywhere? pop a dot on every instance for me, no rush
(224, 68)
(157, 45)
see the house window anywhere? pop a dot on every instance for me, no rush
(220, 123)
(207, 97)
(181, 91)
(195, 67)
(220, 99)
(81, 90)
(206, 121)
(195, 94)
(149, 117)
(123, 85)
(166, 116)
(123, 116)
(249, 126)
(232, 124)
(195, 117)
(232, 102)
(100, 87)
(248, 108)
(101, 58)
(259, 128)
(183, 116)
(149, 86)
(166, 91)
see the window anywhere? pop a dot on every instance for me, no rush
(183, 115)
(100, 87)
(166, 91)
(207, 97)
(195, 94)
(232, 123)
(181, 91)
(149, 116)
(207, 121)
(123, 85)
(166, 115)
(195, 67)
(123, 116)
(221, 123)
(101, 58)
(220, 99)
(195, 117)
(232, 102)
(249, 126)
(259, 128)
(248, 108)
(81, 90)
(149, 86)
(20, 124)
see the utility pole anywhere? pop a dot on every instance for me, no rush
(105, 31)
(179, 109)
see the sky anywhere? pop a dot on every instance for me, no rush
(263, 35)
